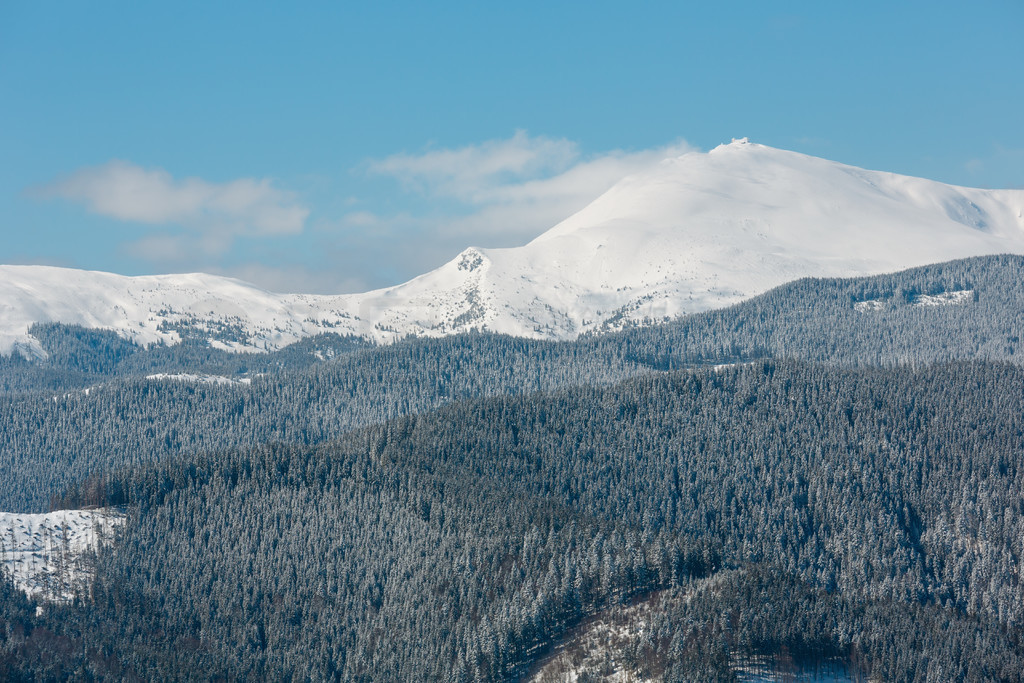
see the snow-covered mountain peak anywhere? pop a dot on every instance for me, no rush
(689, 233)
(735, 143)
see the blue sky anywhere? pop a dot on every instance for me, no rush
(337, 147)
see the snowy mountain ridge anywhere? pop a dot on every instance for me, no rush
(691, 233)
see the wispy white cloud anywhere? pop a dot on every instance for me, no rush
(999, 168)
(472, 173)
(435, 203)
(974, 166)
(161, 248)
(511, 190)
(127, 192)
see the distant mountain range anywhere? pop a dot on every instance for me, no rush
(693, 233)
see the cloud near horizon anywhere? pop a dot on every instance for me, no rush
(496, 193)
(214, 213)
(511, 190)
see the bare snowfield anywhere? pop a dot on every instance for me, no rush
(46, 554)
(198, 379)
(954, 298)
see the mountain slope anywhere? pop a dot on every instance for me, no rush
(63, 426)
(692, 233)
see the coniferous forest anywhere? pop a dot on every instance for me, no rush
(828, 474)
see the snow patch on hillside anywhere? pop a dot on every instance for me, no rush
(615, 646)
(198, 379)
(47, 555)
(961, 296)
(596, 650)
(871, 305)
(952, 298)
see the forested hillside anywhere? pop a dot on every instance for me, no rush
(902, 317)
(324, 386)
(831, 471)
(879, 509)
(973, 308)
(77, 357)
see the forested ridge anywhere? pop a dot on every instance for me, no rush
(812, 319)
(847, 488)
(468, 537)
(59, 436)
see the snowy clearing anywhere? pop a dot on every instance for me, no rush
(961, 296)
(47, 554)
(952, 298)
(201, 379)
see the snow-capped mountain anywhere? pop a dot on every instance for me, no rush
(700, 231)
